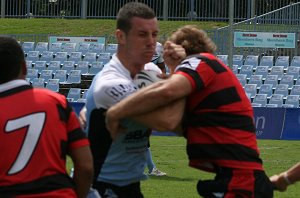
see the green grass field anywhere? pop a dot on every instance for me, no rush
(170, 156)
(168, 152)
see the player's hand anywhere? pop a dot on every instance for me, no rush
(173, 54)
(279, 182)
(82, 117)
(113, 125)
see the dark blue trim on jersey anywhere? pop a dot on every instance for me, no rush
(41, 185)
(15, 90)
(100, 139)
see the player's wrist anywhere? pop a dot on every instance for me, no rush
(285, 179)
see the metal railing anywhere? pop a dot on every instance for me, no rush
(216, 10)
(284, 20)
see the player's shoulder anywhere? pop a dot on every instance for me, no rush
(152, 67)
(47, 96)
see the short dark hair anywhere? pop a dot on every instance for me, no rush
(130, 10)
(11, 59)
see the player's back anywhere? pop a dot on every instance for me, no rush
(35, 130)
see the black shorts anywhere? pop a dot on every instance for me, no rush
(237, 183)
(107, 190)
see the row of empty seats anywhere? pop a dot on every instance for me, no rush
(49, 56)
(276, 100)
(255, 60)
(86, 68)
(69, 47)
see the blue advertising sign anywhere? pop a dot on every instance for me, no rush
(264, 39)
(292, 124)
(269, 122)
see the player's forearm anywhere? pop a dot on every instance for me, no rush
(83, 180)
(293, 174)
(141, 102)
(166, 118)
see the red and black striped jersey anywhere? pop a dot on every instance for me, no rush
(219, 122)
(38, 128)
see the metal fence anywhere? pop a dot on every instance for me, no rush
(283, 20)
(165, 9)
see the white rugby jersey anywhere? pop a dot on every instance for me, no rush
(123, 161)
(158, 56)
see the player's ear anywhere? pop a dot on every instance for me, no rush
(121, 37)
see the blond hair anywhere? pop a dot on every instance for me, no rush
(193, 40)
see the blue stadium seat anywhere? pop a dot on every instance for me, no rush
(261, 99)
(293, 70)
(282, 61)
(28, 46)
(84, 48)
(90, 57)
(76, 57)
(292, 100)
(95, 67)
(262, 70)
(69, 47)
(235, 69)
(97, 48)
(256, 79)
(61, 75)
(242, 78)
(53, 84)
(54, 65)
(61, 56)
(246, 69)
(40, 65)
(267, 61)
(276, 99)
(238, 60)
(287, 79)
(29, 64)
(74, 93)
(38, 82)
(74, 77)
(55, 47)
(223, 58)
(295, 61)
(277, 70)
(33, 56)
(31, 74)
(42, 46)
(251, 60)
(104, 58)
(47, 56)
(295, 90)
(83, 66)
(282, 89)
(111, 48)
(251, 89)
(46, 75)
(266, 89)
(68, 66)
(271, 79)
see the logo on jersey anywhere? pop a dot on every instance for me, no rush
(120, 91)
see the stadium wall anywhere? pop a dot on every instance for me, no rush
(271, 123)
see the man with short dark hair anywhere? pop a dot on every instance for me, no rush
(120, 164)
(38, 129)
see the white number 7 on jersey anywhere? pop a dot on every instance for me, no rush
(35, 123)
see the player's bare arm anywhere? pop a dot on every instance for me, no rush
(150, 98)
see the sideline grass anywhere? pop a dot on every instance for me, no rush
(170, 156)
(89, 27)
